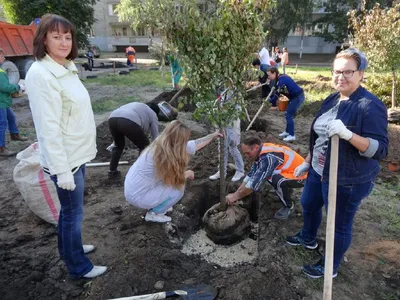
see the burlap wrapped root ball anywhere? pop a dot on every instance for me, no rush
(226, 226)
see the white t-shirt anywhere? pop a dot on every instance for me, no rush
(141, 177)
(264, 56)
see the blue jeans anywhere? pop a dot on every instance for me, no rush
(293, 106)
(264, 67)
(348, 199)
(70, 226)
(7, 120)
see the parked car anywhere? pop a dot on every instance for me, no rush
(96, 50)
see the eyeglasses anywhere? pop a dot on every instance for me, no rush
(346, 73)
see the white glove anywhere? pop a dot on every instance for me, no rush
(66, 181)
(302, 169)
(111, 147)
(337, 127)
(21, 87)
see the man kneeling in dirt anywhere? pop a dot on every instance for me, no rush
(273, 163)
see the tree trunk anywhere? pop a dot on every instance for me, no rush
(162, 63)
(302, 41)
(222, 181)
(394, 87)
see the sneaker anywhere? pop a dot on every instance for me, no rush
(284, 213)
(290, 138)
(283, 134)
(96, 271)
(87, 248)
(159, 218)
(238, 175)
(273, 108)
(316, 270)
(215, 176)
(297, 240)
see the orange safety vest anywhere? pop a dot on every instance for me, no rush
(291, 160)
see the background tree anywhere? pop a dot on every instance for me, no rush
(334, 24)
(79, 12)
(152, 15)
(377, 32)
(287, 15)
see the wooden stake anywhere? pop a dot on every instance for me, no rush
(330, 224)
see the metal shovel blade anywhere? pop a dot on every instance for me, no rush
(199, 292)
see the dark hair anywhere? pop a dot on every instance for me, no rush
(48, 23)
(154, 107)
(256, 62)
(251, 140)
(273, 70)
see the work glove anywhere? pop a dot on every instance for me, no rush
(66, 181)
(302, 169)
(21, 87)
(337, 127)
(111, 147)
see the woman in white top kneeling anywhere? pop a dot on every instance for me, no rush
(156, 181)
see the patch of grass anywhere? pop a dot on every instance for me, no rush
(137, 78)
(384, 206)
(111, 103)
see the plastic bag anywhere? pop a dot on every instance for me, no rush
(35, 186)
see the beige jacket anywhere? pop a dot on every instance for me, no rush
(62, 114)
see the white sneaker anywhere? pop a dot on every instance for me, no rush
(215, 176)
(159, 218)
(290, 138)
(237, 176)
(170, 209)
(284, 134)
(96, 271)
(87, 248)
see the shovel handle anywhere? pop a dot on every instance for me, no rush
(155, 296)
(261, 107)
(330, 224)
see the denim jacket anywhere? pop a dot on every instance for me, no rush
(364, 114)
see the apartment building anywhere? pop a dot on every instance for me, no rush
(109, 34)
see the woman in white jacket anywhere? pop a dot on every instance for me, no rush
(66, 133)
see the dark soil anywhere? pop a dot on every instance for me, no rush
(139, 254)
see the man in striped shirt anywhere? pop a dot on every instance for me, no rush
(273, 163)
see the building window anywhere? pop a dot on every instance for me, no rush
(111, 9)
(124, 31)
(140, 31)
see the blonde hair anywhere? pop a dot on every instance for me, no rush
(349, 55)
(170, 155)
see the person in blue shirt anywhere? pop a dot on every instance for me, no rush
(359, 118)
(284, 85)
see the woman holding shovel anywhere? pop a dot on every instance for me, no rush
(359, 118)
(156, 181)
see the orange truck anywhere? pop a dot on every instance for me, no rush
(17, 43)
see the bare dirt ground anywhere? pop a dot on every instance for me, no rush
(140, 254)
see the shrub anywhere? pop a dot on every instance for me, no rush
(381, 86)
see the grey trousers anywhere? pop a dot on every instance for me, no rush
(231, 143)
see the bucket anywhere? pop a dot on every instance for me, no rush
(283, 104)
(167, 112)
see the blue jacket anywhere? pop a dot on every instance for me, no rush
(286, 86)
(365, 115)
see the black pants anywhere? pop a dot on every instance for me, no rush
(90, 62)
(283, 188)
(121, 128)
